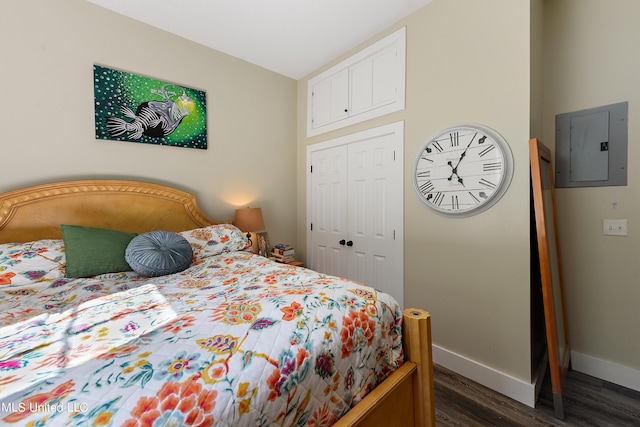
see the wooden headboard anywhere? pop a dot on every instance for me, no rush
(35, 213)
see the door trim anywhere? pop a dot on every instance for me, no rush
(393, 128)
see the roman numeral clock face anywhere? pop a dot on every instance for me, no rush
(463, 170)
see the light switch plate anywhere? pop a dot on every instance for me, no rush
(615, 227)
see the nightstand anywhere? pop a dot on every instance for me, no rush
(296, 263)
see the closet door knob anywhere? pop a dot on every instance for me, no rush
(342, 242)
(349, 243)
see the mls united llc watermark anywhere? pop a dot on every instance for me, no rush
(46, 407)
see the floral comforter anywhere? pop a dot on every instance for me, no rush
(235, 340)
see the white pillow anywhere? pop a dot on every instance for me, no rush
(215, 239)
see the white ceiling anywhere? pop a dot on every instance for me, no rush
(290, 37)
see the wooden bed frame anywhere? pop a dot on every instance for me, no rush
(404, 399)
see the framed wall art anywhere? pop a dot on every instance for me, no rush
(263, 243)
(134, 108)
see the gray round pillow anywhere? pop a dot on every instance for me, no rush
(158, 253)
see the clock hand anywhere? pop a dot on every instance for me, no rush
(464, 153)
(454, 170)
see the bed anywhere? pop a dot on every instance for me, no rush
(233, 339)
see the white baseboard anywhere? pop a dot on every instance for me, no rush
(524, 392)
(605, 370)
(514, 388)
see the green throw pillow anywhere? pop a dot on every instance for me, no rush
(91, 251)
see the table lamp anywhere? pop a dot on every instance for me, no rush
(249, 220)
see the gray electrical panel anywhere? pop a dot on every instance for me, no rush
(591, 147)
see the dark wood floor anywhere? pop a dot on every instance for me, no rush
(588, 401)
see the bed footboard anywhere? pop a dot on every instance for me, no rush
(406, 397)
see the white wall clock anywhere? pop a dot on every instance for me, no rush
(463, 170)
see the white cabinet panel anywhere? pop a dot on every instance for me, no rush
(369, 84)
(374, 81)
(361, 87)
(388, 78)
(331, 99)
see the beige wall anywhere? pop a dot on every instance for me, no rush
(591, 60)
(467, 61)
(47, 116)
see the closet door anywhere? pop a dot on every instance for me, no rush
(329, 211)
(356, 202)
(374, 213)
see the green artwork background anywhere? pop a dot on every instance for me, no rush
(115, 88)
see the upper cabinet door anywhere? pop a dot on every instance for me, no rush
(330, 99)
(375, 81)
(369, 84)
